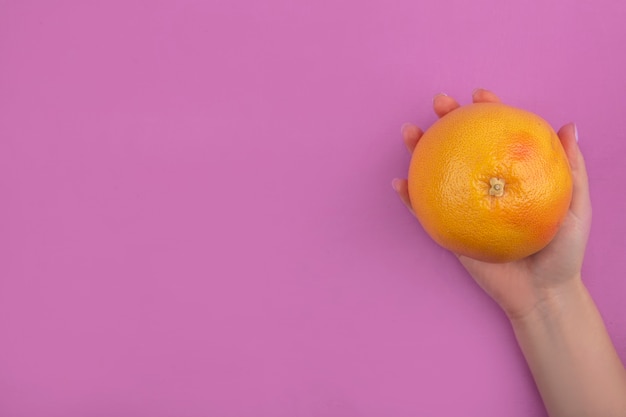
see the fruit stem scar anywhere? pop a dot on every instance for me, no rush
(497, 187)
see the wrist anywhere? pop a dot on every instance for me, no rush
(552, 303)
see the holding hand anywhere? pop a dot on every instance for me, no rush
(521, 286)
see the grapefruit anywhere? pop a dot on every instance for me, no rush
(491, 182)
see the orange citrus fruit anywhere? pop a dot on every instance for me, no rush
(491, 182)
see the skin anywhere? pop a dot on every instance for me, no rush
(555, 320)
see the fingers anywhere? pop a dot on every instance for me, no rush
(581, 202)
(411, 134)
(402, 188)
(480, 95)
(442, 104)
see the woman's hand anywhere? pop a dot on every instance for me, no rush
(523, 286)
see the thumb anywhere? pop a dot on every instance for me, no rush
(581, 202)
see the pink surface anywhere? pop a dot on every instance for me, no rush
(197, 217)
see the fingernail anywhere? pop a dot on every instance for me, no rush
(576, 132)
(476, 90)
(439, 95)
(395, 184)
(404, 126)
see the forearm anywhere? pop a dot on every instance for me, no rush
(572, 359)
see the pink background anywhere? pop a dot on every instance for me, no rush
(196, 216)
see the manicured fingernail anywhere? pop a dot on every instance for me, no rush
(395, 184)
(576, 132)
(404, 126)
